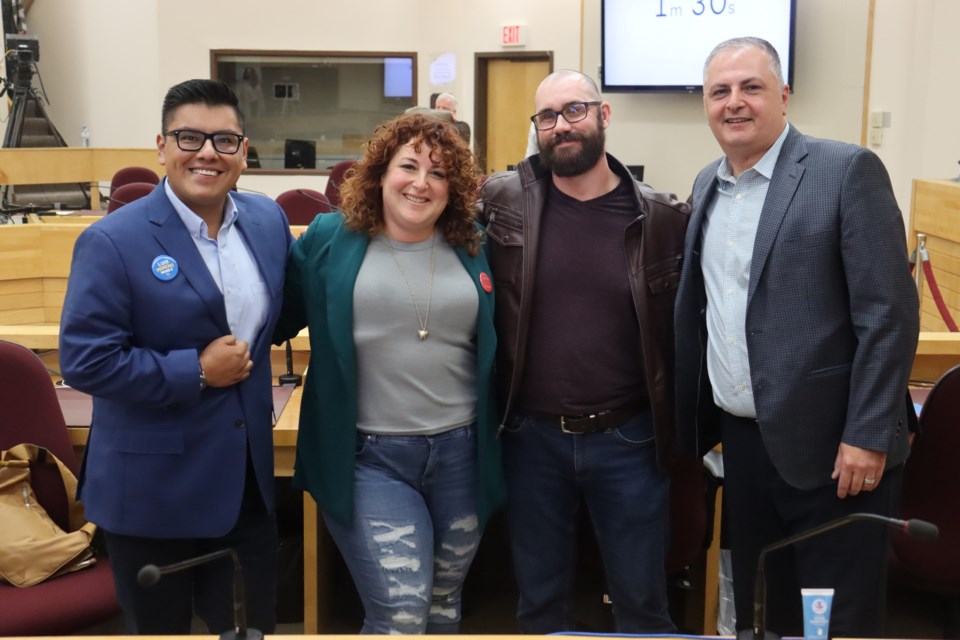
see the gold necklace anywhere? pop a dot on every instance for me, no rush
(423, 333)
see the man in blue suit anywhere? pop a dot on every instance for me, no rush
(167, 321)
(796, 322)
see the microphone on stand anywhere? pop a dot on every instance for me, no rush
(316, 197)
(919, 529)
(290, 379)
(239, 188)
(150, 575)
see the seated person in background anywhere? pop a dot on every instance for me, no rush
(447, 102)
(461, 128)
(170, 333)
(398, 440)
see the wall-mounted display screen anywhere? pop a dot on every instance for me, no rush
(661, 45)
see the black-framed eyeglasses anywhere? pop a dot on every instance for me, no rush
(191, 140)
(573, 112)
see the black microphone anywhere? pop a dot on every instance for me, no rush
(259, 193)
(290, 379)
(919, 529)
(150, 574)
(322, 199)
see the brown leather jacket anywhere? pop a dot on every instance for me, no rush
(511, 207)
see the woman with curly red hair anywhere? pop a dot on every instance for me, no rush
(397, 439)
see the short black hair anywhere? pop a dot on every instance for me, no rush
(213, 93)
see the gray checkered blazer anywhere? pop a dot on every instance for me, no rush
(832, 313)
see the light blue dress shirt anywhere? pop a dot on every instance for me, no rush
(729, 229)
(232, 266)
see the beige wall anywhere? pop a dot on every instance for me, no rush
(914, 77)
(107, 63)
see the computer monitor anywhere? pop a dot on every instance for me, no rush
(299, 154)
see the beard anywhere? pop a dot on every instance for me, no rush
(566, 163)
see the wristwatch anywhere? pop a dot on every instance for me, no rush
(203, 377)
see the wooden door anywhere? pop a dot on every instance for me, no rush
(506, 87)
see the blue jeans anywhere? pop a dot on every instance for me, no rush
(615, 474)
(415, 529)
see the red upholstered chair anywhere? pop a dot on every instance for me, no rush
(337, 176)
(125, 194)
(30, 412)
(931, 492)
(303, 205)
(133, 174)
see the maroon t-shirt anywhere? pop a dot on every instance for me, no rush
(583, 347)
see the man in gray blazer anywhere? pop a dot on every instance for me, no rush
(796, 326)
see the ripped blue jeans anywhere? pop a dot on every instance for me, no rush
(414, 531)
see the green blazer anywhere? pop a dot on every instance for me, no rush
(318, 292)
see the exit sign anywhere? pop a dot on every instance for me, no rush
(513, 35)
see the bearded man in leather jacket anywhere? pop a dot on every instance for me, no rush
(586, 263)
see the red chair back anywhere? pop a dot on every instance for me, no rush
(337, 176)
(127, 193)
(303, 205)
(133, 174)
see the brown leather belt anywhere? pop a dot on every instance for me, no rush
(594, 422)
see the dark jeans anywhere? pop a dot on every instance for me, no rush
(167, 608)
(615, 474)
(761, 508)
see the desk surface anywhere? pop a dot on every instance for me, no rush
(47, 336)
(77, 410)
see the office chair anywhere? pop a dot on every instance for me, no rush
(133, 174)
(30, 412)
(125, 194)
(336, 178)
(931, 492)
(303, 205)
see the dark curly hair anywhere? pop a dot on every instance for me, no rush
(362, 195)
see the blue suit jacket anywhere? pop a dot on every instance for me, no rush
(164, 459)
(832, 313)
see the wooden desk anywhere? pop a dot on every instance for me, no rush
(64, 164)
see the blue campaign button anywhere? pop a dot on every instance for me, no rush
(165, 268)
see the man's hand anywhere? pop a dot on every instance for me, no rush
(857, 469)
(226, 361)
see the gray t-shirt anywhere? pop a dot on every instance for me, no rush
(407, 385)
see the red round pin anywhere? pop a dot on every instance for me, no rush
(485, 282)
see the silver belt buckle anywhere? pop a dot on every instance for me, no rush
(563, 422)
